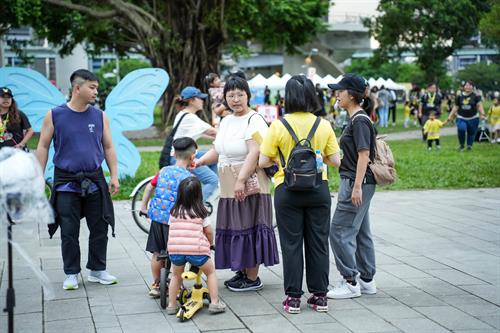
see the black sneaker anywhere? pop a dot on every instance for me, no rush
(318, 303)
(245, 284)
(238, 276)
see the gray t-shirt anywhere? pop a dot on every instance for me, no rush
(383, 98)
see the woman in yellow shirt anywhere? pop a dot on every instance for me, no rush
(302, 216)
(494, 119)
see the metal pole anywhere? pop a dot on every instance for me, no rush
(11, 297)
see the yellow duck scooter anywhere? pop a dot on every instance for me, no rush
(192, 300)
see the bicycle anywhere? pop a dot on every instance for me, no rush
(141, 219)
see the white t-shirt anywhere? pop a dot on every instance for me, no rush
(191, 126)
(234, 131)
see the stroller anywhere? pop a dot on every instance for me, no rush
(483, 133)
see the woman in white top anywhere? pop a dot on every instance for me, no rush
(191, 126)
(244, 234)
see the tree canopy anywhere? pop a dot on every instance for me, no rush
(490, 24)
(432, 29)
(485, 77)
(186, 38)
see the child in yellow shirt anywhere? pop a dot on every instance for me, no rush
(431, 128)
(407, 111)
(494, 120)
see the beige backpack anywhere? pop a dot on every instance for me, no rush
(382, 166)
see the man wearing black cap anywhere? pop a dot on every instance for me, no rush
(15, 128)
(350, 236)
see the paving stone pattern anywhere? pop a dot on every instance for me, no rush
(438, 260)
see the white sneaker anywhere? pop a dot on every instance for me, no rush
(102, 277)
(71, 282)
(344, 290)
(369, 288)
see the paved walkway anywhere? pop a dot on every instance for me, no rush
(438, 271)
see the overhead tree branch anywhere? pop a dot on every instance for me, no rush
(84, 9)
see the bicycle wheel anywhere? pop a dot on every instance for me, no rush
(163, 288)
(142, 222)
(48, 189)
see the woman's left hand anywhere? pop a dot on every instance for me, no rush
(19, 146)
(239, 190)
(356, 196)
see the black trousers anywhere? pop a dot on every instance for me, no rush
(303, 224)
(70, 207)
(392, 113)
(429, 142)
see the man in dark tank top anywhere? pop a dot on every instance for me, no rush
(82, 141)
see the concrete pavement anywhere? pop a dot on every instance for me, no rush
(438, 258)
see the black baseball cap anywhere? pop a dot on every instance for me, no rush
(350, 82)
(6, 91)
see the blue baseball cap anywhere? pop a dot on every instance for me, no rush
(190, 92)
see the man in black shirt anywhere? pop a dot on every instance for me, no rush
(430, 101)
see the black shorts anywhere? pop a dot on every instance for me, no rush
(157, 238)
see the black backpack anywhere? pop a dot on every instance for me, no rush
(301, 173)
(167, 146)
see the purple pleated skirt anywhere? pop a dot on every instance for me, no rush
(244, 235)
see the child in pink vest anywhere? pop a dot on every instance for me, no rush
(190, 240)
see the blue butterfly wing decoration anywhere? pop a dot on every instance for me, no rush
(34, 95)
(130, 107)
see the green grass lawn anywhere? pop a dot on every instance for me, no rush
(417, 168)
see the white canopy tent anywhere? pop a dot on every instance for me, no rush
(284, 79)
(372, 82)
(328, 79)
(259, 81)
(274, 82)
(390, 84)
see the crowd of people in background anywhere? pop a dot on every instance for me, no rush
(417, 105)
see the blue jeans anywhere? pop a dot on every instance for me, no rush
(383, 113)
(207, 175)
(180, 260)
(469, 127)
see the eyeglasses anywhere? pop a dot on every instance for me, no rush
(236, 96)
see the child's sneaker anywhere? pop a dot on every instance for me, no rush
(318, 303)
(217, 307)
(438, 147)
(171, 310)
(155, 290)
(344, 290)
(291, 305)
(429, 149)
